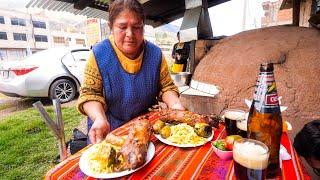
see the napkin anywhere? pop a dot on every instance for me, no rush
(284, 155)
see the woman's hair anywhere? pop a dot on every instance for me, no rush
(117, 6)
(307, 141)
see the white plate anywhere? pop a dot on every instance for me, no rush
(84, 165)
(158, 136)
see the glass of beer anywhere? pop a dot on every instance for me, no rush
(250, 159)
(242, 128)
(231, 116)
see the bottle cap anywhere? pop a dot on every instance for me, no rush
(266, 66)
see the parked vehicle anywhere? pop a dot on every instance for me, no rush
(55, 73)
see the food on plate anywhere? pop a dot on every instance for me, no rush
(157, 126)
(180, 116)
(184, 134)
(117, 153)
(203, 129)
(135, 147)
(183, 127)
(115, 140)
(230, 140)
(165, 132)
(105, 158)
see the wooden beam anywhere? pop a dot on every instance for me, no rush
(296, 12)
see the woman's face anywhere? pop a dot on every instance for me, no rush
(315, 164)
(128, 30)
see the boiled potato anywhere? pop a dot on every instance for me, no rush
(165, 132)
(157, 126)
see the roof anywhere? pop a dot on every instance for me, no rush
(158, 12)
(286, 4)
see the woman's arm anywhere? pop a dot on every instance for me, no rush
(171, 99)
(91, 101)
(100, 127)
(169, 93)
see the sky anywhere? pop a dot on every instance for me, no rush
(13, 3)
(226, 18)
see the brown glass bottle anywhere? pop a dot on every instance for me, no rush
(265, 121)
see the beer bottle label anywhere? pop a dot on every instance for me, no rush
(266, 96)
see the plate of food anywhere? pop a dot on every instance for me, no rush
(183, 128)
(119, 156)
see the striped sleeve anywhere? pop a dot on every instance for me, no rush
(166, 82)
(92, 87)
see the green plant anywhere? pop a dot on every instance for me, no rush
(28, 149)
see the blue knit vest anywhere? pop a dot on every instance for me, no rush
(128, 94)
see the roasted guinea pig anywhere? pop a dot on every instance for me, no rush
(172, 115)
(135, 147)
(201, 123)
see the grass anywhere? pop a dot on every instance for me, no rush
(4, 106)
(2, 95)
(28, 149)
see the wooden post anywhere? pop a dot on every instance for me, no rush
(296, 12)
(56, 127)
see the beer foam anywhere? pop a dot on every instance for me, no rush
(234, 115)
(242, 125)
(250, 155)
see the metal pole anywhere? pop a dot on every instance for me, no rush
(56, 127)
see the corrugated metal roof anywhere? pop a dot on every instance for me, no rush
(158, 12)
(98, 8)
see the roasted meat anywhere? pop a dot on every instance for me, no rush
(115, 140)
(178, 116)
(135, 146)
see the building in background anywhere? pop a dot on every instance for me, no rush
(22, 34)
(274, 16)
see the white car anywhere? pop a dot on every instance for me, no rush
(55, 73)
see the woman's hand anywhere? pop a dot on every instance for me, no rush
(100, 128)
(172, 100)
(178, 106)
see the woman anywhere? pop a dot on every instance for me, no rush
(180, 53)
(307, 144)
(125, 74)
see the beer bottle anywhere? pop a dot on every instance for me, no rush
(265, 121)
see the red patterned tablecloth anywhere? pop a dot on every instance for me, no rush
(181, 163)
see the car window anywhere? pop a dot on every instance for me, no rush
(68, 58)
(80, 55)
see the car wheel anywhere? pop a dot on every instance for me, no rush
(63, 89)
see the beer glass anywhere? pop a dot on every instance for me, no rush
(242, 128)
(250, 159)
(231, 116)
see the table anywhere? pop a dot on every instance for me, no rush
(181, 163)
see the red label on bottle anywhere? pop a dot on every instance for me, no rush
(266, 97)
(272, 100)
